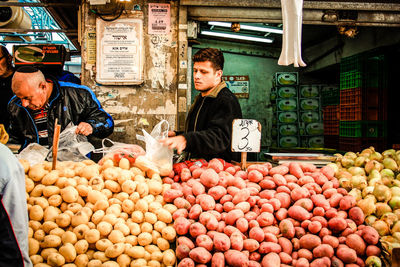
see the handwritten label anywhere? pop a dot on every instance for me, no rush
(246, 135)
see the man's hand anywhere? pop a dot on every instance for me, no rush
(84, 128)
(171, 134)
(177, 142)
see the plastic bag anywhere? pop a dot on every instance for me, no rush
(72, 146)
(33, 153)
(157, 153)
(117, 151)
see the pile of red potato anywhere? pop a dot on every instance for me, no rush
(292, 214)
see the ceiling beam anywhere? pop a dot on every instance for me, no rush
(5, 30)
(335, 5)
(22, 4)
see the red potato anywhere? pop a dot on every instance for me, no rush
(271, 259)
(320, 219)
(195, 212)
(253, 200)
(299, 213)
(324, 231)
(370, 235)
(170, 194)
(281, 169)
(180, 213)
(182, 203)
(355, 242)
(257, 233)
(342, 191)
(296, 243)
(283, 189)
(176, 186)
(216, 164)
(236, 241)
(239, 183)
(299, 231)
(254, 176)
(342, 240)
(267, 194)
(231, 170)
(293, 185)
(323, 250)
(267, 207)
(255, 256)
(347, 202)
(314, 227)
(197, 229)
(241, 174)
(295, 169)
(335, 200)
(187, 190)
(253, 188)
(186, 262)
(329, 192)
(372, 251)
(307, 167)
(228, 206)
(279, 180)
(185, 175)
(244, 206)
(233, 215)
(304, 224)
(251, 215)
(331, 213)
(357, 215)
(309, 241)
(206, 202)
(241, 196)
(276, 204)
(268, 237)
(262, 169)
(318, 211)
(217, 192)
(331, 240)
(218, 260)
(208, 220)
(267, 184)
(305, 253)
(236, 258)
(191, 199)
(319, 178)
(286, 245)
(251, 244)
(346, 254)
(265, 219)
(285, 258)
(221, 226)
(337, 224)
(284, 199)
(233, 190)
(200, 255)
(306, 179)
(299, 193)
(271, 229)
(359, 263)
(182, 251)
(267, 247)
(320, 201)
(221, 242)
(183, 240)
(181, 226)
(291, 179)
(321, 262)
(204, 241)
(219, 208)
(347, 232)
(209, 178)
(328, 172)
(336, 262)
(242, 224)
(197, 172)
(226, 198)
(302, 262)
(198, 189)
(281, 214)
(287, 229)
(229, 229)
(253, 263)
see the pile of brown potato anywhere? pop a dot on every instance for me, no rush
(84, 214)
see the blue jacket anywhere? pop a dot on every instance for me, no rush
(69, 102)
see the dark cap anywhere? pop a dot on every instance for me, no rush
(27, 69)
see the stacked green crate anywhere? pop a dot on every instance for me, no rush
(363, 100)
(310, 121)
(287, 106)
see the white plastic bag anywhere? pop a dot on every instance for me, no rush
(33, 153)
(72, 146)
(157, 153)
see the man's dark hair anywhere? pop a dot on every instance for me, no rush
(213, 55)
(8, 57)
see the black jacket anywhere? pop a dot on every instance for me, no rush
(69, 102)
(208, 129)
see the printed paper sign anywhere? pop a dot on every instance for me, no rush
(159, 18)
(238, 84)
(246, 135)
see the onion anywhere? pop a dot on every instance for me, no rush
(373, 165)
(358, 181)
(382, 193)
(382, 208)
(343, 173)
(367, 205)
(356, 170)
(389, 153)
(396, 227)
(374, 174)
(395, 202)
(376, 156)
(356, 193)
(390, 218)
(345, 183)
(373, 261)
(360, 161)
(370, 219)
(390, 163)
(351, 155)
(368, 190)
(347, 162)
(334, 166)
(387, 173)
(374, 181)
(381, 227)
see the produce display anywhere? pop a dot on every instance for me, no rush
(86, 214)
(373, 179)
(289, 215)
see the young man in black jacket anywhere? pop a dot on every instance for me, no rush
(208, 128)
(39, 101)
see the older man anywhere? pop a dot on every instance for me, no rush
(39, 101)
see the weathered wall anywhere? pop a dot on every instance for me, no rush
(260, 64)
(139, 106)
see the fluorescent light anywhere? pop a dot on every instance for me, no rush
(247, 27)
(237, 36)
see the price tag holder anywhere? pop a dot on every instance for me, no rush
(246, 137)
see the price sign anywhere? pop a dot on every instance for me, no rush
(246, 135)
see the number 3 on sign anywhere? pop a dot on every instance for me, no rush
(246, 135)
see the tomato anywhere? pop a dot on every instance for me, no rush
(117, 157)
(130, 157)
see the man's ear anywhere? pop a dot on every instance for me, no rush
(219, 73)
